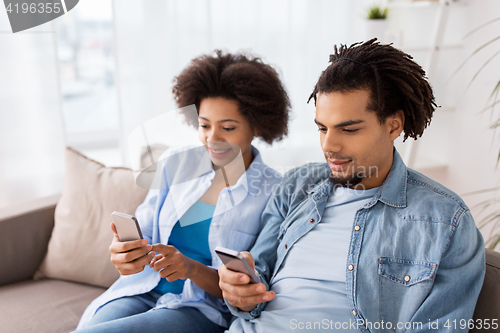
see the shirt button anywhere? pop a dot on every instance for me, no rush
(357, 228)
(407, 278)
(286, 246)
(350, 267)
(311, 220)
(354, 313)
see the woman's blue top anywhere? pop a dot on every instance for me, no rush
(190, 237)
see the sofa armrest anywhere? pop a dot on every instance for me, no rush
(25, 232)
(488, 304)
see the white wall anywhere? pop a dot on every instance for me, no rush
(31, 129)
(459, 136)
(462, 135)
(474, 152)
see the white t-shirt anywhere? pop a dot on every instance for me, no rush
(311, 284)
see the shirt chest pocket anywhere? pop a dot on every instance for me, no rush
(404, 285)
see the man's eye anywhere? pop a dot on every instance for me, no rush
(229, 128)
(322, 130)
(350, 130)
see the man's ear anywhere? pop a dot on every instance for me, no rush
(396, 124)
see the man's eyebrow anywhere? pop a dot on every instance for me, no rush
(344, 124)
(220, 121)
(318, 123)
(349, 123)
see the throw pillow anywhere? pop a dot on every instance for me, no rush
(78, 248)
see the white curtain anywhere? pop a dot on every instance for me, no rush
(31, 128)
(156, 39)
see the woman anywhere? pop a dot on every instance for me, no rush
(238, 98)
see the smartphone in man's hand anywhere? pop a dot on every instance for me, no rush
(234, 261)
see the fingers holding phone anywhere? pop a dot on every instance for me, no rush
(130, 256)
(238, 282)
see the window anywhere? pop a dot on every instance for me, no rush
(85, 49)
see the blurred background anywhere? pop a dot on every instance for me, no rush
(90, 77)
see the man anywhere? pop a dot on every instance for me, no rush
(362, 243)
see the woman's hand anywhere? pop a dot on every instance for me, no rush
(129, 257)
(172, 264)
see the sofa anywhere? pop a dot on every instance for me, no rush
(55, 249)
(52, 305)
(28, 305)
(47, 282)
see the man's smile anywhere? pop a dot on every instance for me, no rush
(337, 164)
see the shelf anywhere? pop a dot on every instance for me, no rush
(417, 4)
(427, 48)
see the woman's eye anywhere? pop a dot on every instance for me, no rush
(203, 126)
(229, 128)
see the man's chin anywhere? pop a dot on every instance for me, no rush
(344, 182)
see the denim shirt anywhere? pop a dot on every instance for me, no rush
(183, 175)
(416, 259)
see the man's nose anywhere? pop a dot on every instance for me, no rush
(331, 142)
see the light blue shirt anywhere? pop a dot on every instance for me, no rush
(414, 257)
(316, 294)
(185, 173)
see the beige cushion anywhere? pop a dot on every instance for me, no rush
(44, 306)
(78, 248)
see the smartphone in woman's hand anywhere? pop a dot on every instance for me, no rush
(127, 227)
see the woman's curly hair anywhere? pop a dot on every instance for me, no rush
(242, 77)
(394, 80)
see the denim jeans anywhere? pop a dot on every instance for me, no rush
(136, 314)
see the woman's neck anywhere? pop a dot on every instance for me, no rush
(231, 172)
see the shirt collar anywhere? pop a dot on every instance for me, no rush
(254, 173)
(393, 190)
(322, 189)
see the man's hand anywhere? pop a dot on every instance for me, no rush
(129, 257)
(171, 263)
(237, 290)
